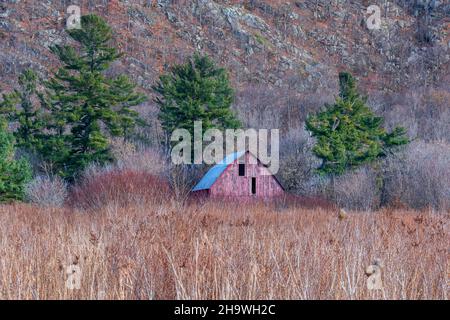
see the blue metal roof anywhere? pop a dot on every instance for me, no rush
(211, 176)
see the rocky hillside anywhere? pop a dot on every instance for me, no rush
(270, 46)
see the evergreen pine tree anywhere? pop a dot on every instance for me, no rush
(8, 106)
(85, 105)
(14, 174)
(348, 133)
(197, 90)
(27, 115)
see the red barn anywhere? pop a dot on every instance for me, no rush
(239, 178)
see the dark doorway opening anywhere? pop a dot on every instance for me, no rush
(253, 185)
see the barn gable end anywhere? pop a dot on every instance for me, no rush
(235, 177)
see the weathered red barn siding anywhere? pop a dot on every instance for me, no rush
(230, 184)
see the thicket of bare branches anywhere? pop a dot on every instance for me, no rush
(101, 187)
(357, 189)
(136, 176)
(419, 176)
(137, 157)
(47, 191)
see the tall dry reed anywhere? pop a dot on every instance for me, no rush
(217, 251)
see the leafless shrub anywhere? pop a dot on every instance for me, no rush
(121, 148)
(182, 178)
(419, 176)
(423, 112)
(111, 186)
(357, 189)
(137, 158)
(46, 191)
(297, 164)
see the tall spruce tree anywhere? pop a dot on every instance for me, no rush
(348, 133)
(14, 174)
(86, 105)
(197, 90)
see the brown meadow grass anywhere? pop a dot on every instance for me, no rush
(220, 251)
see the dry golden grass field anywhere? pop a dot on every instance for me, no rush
(217, 251)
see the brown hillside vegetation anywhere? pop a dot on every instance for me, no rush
(283, 56)
(164, 251)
